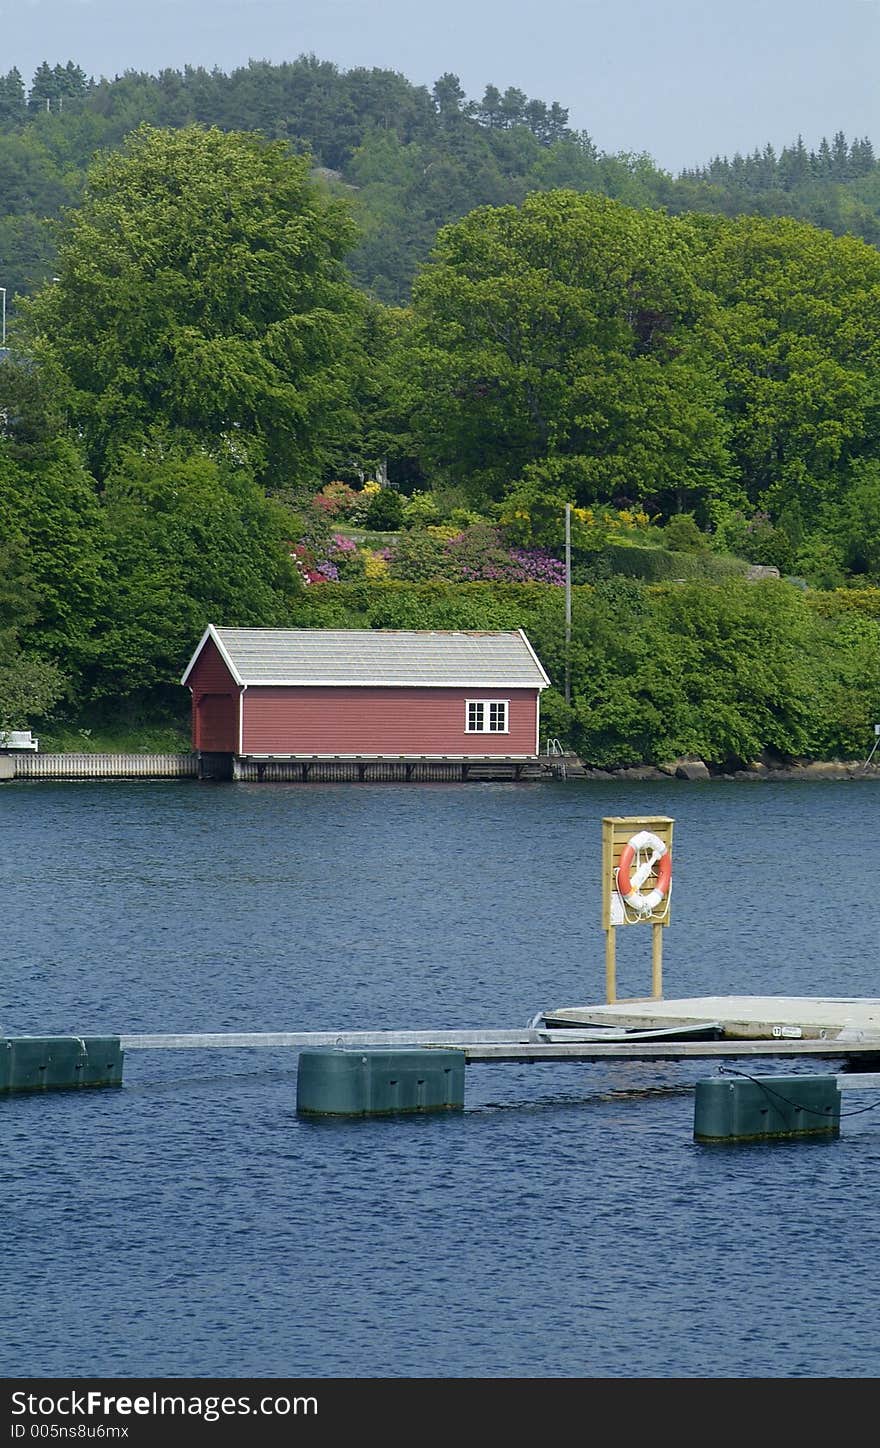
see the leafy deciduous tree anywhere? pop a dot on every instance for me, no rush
(200, 288)
(560, 341)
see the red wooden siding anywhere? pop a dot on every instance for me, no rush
(215, 707)
(369, 720)
(216, 723)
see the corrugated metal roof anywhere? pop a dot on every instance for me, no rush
(378, 656)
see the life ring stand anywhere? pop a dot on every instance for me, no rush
(629, 886)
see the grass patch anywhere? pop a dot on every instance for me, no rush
(366, 538)
(140, 738)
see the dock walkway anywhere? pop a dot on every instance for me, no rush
(649, 1030)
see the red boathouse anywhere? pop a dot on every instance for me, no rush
(308, 695)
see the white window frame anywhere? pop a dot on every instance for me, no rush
(485, 706)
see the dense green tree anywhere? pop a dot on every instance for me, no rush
(796, 337)
(852, 523)
(49, 509)
(30, 686)
(53, 86)
(27, 244)
(189, 541)
(29, 690)
(448, 95)
(201, 290)
(12, 98)
(31, 181)
(560, 341)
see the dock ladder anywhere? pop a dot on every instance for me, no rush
(556, 758)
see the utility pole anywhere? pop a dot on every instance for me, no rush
(568, 603)
(3, 316)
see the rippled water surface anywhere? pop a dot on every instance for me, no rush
(565, 1224)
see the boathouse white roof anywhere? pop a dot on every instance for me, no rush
(377, 657)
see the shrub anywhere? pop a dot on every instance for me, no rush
(660, 565)
(756, 539)
(682, 534)
(420, 509)
(375, 565)
(418, 557)
(385, 511)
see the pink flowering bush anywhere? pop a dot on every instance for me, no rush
(337, 500)
(313, 569)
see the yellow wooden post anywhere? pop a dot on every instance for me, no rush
(610, 966)
(657, 962)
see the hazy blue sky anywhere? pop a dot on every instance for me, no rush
(682, 80)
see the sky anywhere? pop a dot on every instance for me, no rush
(680, 80)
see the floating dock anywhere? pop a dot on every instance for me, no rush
(705, 1028)
(385, 1072)
(742, 1017)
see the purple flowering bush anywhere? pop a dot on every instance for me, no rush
(477, 554)
(536, 565)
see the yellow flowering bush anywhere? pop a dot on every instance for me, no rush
(375, 566)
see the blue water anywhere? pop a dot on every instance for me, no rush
(565, 1224)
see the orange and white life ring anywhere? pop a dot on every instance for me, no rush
(629, 882)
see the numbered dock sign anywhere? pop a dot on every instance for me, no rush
(636, 870)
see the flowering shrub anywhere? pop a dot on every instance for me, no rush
(375, 565)
(475, 555)
(316, 565)
(306, 564)
(345, 503)
(532, 518)
(325, 572)
(343, 553)
(337, 500)
(478, 556)
(536, 565)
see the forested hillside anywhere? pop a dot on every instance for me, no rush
(302, 346)
(410, 159)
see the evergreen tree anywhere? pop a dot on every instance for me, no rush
(490, 107)
(823, 162)
(840, 157)
(794, 165)
(12, 98)
(448, 95)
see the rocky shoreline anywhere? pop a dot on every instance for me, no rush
(693, 768)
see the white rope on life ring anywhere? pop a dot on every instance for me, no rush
(630, 882)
